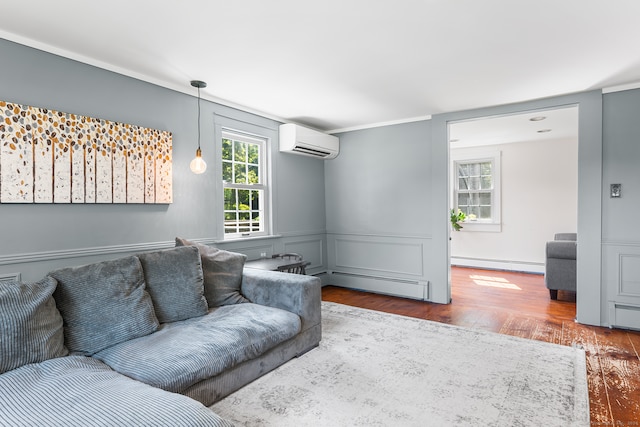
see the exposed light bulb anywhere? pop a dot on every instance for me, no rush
(198, 165)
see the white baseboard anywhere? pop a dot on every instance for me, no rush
(526, 267)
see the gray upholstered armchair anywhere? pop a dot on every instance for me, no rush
(560, 264)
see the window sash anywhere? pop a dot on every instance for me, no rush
(244, 185)
(475, 189)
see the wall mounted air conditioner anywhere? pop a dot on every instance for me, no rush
(297, 139)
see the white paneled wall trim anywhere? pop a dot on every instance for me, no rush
(621, 283)
(384, 264)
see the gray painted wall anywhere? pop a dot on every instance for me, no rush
(386, 178)
(620, 231)
(383, 201)
(589, 189)
(379, 219)
(37, 238)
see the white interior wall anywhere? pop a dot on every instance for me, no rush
(539, 199)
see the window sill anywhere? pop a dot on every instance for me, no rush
(482, 226)
(242, 239)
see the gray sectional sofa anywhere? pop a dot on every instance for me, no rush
(147, 340)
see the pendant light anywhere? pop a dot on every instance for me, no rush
(198, 165)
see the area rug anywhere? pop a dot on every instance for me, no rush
(378, 369)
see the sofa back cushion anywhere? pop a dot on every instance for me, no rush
(175, 283)
(30, 324)
(103, 304)
(222, 273)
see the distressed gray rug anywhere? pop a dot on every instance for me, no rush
(377, 369)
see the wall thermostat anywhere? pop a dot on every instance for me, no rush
(616, 190)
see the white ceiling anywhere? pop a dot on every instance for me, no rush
(345, 64)
(559, 124)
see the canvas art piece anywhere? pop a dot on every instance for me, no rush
(48, 156)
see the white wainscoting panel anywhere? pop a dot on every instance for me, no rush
(378, 256)
(311, 249)
(383, 264)
(621, 281)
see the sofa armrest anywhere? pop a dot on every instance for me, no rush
(296, 293)
(561, 249)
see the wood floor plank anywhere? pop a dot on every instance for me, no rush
(621, 372)
(576, 335)
(518, 304)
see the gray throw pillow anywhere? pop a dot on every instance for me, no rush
(103, 304)
(222, 273)
(175, 282)
(30, 324)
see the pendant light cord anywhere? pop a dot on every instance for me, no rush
(198, 117)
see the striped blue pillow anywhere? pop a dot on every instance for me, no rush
(30, 324)
(103, 304)
(174, 281)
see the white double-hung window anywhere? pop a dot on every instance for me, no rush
(244, 177)
(476, 188)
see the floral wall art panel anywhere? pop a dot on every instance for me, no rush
(16, 169)
(135, 161)
(163, 167)
(42, 156)
(48, 156)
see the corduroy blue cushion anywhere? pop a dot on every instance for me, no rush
(78, 391)
(175, 283)
(103, 304)
(30, 324)
(222, 273)
(181, 354)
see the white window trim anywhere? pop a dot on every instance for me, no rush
(265, 178)
(478, 155)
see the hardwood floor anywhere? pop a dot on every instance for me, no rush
(518, 304)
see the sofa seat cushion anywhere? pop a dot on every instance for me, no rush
(82, 391)
(183, 353)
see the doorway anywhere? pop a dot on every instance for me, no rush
(589, 298)
(514, 178)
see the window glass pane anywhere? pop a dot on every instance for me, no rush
(463, 200)
(229, 199)
(240, 154)
(255, 200)
(243, 200)
(474, 183)
(474, 199)
(485, 199)
(254, 154)
(227, 153)
(485, 212)
(486, 168)
(472, 211)
(485, 183)
(244, 221)
(240, 173)
(463, 184)
(227, 169)
(463, 170)
(474, 169)
(230, 222)
(253, 175)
